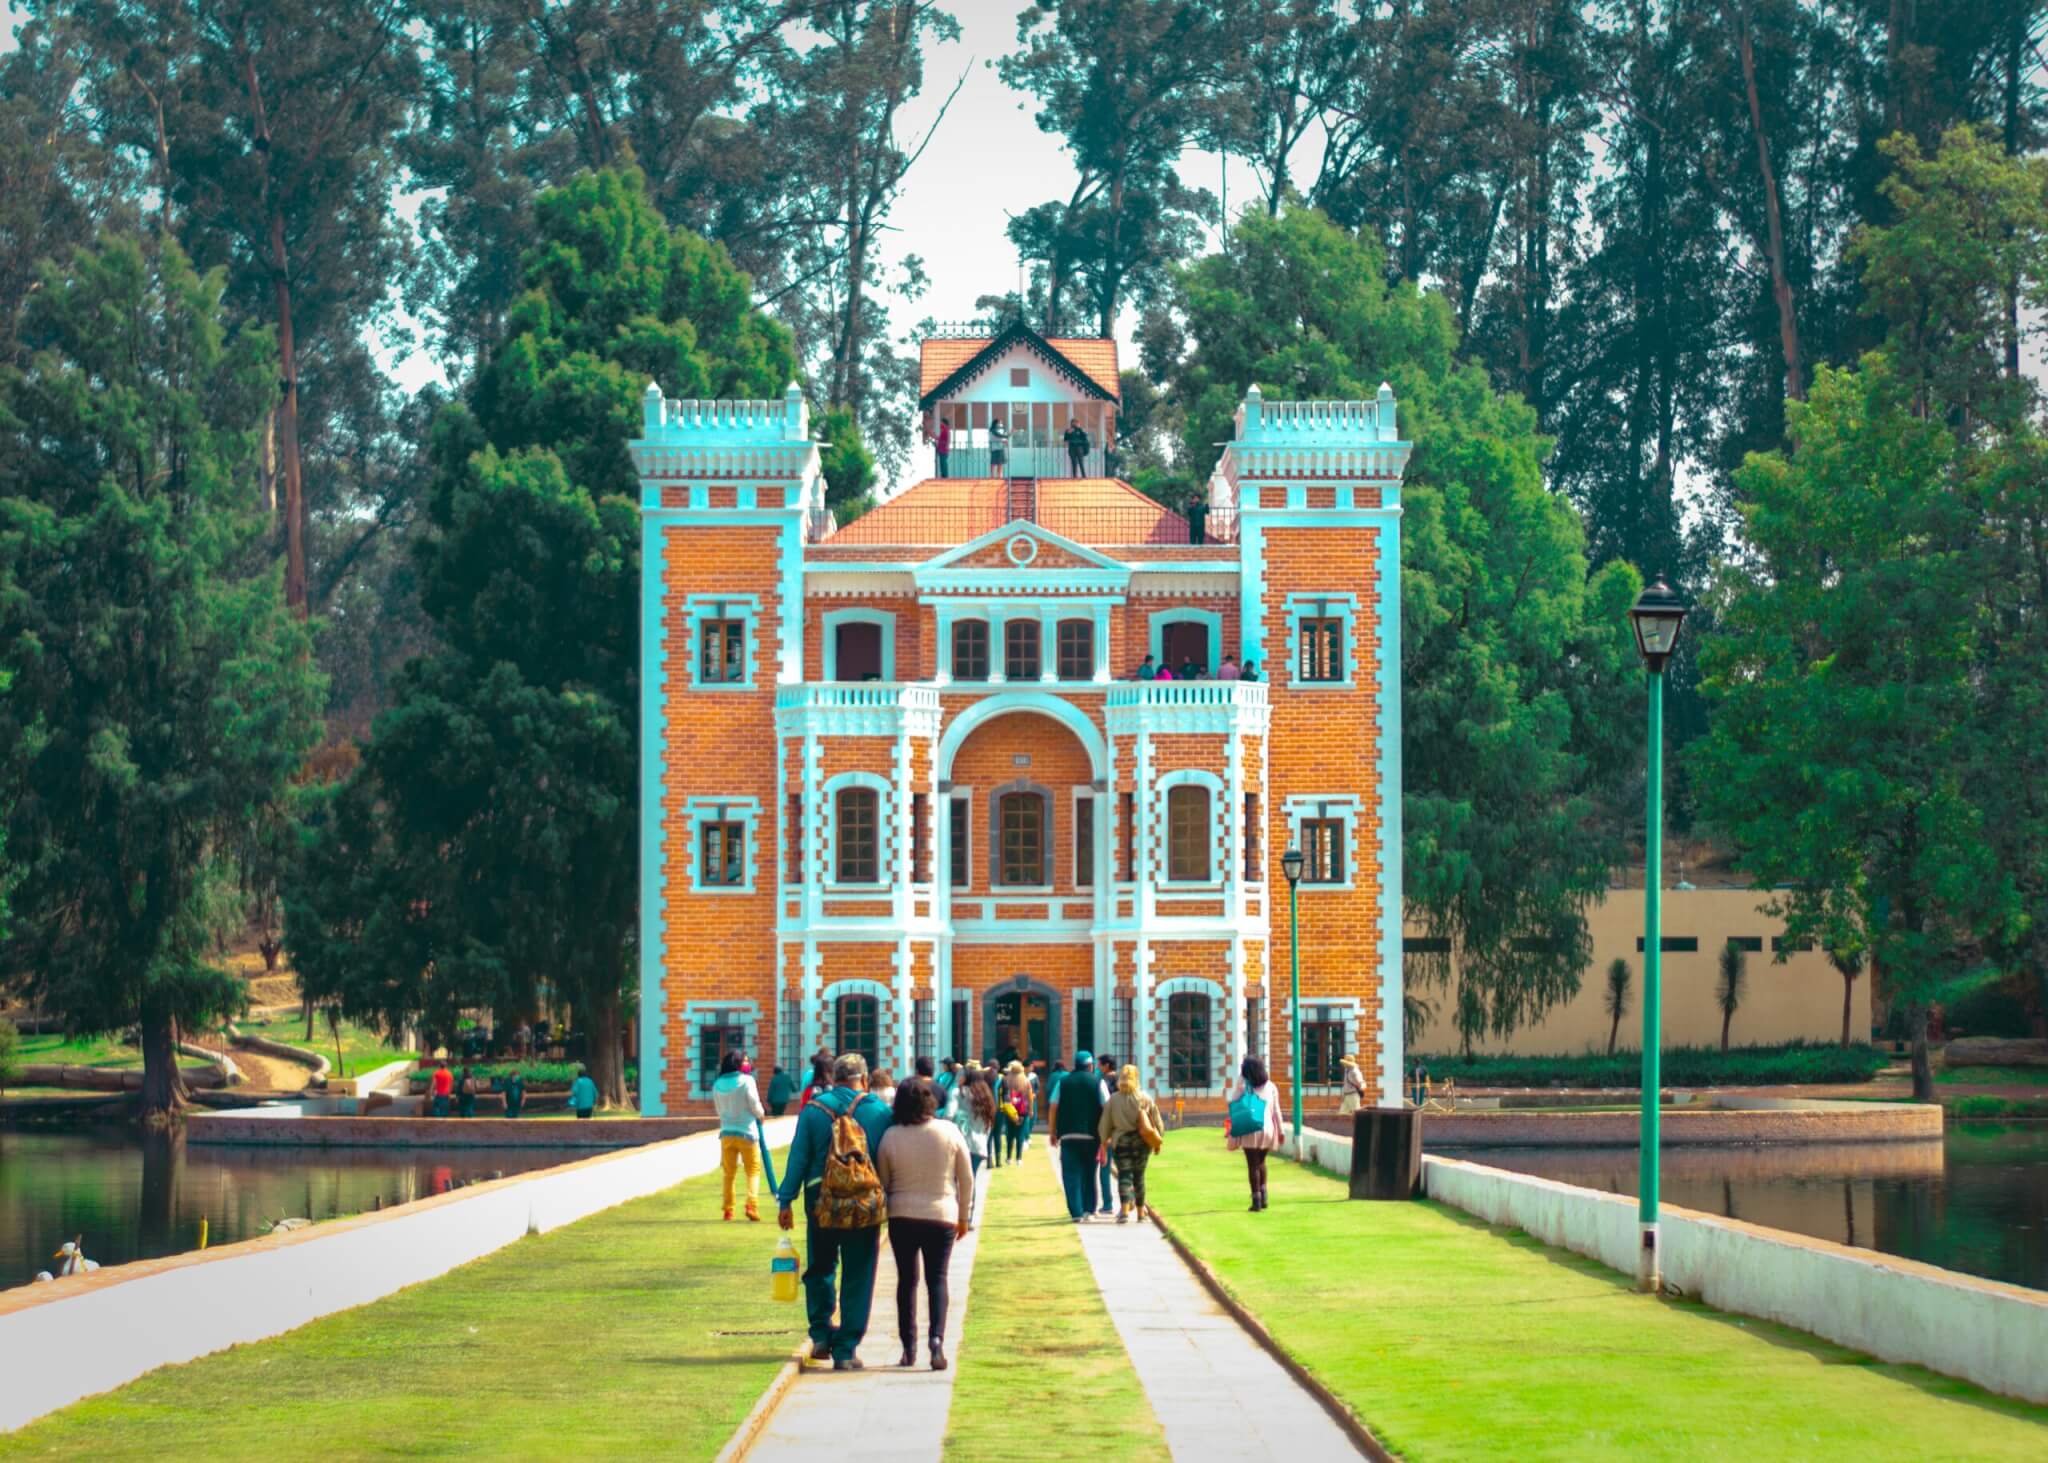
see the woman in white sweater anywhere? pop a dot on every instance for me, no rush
(929, 1180)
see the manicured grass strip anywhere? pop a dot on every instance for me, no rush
(55, 1049)
(1456, 1339)
(644, 1331)
(1041, 1358)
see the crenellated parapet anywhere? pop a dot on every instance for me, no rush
(1281, 443)
(724, 456)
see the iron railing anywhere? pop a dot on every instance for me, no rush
(1023, 460)
(1119, 525)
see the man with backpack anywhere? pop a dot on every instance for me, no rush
(832, 1165)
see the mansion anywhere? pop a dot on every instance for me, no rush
(905, 793)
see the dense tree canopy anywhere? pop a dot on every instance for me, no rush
(1517, 678)
(163, 697)
(487, 846)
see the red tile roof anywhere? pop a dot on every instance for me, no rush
(1093, 357)
(952, 511)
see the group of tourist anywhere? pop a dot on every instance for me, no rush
(447, 1088)
(870, 1150)
(1193, 670)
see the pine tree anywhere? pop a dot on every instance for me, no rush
(163, 696)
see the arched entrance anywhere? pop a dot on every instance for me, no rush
(1021, 1022)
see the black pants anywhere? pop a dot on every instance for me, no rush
(1255, 1170)
(1076, 459)
(930, 1240)
(942, 473)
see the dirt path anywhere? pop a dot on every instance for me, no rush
(261, 1073)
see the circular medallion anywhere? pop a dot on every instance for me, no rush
(1022, 549)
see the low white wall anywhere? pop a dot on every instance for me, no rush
(1895, 1309)
(78, 1336)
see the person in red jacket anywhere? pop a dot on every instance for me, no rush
(443, 1087)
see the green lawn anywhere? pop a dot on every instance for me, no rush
(1455, 1339)
(361, 1048)
(1042, 1372)
(645, 1331)
(1994, 1076)
(76, 1051)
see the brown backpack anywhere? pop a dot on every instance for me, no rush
(851, 1195)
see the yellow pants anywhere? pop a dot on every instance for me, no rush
(732, 1152)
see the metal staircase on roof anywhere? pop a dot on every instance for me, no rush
(1023, 500)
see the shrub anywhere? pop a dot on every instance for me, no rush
(1980, 1105)
(1697, 1066)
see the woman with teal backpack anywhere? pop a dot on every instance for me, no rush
(1255, 1128)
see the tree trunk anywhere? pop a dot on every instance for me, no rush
(1848, 991)
(1923, 1069)
(163, 1085)
(607, 1060)
(288, 424)
(306, 1008)
(1774, 232)
(270, 950)
(1726, 1018)
(1613, 1033)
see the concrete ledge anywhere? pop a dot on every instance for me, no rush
(289, 1127)
(1898, 1310)
(297, 1055)
(110, 1079)
(1728, 1121)
(364, 1083)
(85, 1334)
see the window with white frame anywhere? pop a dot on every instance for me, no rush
(1187, 1039)
(857, 839)
(970, 650)
(1321, 639)
(723, 640)
(1187, 834)
(721, 834)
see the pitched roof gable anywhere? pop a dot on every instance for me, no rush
(949, 362)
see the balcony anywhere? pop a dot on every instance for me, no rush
(1187, 706)
(857, 709)
(911, 523)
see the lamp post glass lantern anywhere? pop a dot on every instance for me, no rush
(1290, 864)
(1654, 618)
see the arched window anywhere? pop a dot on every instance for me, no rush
(1187, 834)
(1077, 650)
(860, 1026)
(857, 651)
(1020, 839)
(856, 836)
(1020, 650)
(1187, 1039)
(970, 650)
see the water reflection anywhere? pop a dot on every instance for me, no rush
(1976, 1201)
(134, 1196)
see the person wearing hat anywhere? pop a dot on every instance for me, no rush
(1076, 1117)
(1354, 1084)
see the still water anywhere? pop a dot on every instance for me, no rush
(134, 1196)
(1976, 1201)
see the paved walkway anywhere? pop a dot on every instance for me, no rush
(883, 1412)
(1216, 1391)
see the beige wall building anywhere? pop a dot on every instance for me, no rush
(1797, 998)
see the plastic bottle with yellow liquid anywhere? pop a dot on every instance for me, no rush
(782, 1270)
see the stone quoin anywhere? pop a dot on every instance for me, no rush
(903, 794)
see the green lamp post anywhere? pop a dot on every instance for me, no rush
(1655, 618)
(1290, 864)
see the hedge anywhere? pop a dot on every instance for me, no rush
(1685, 1066)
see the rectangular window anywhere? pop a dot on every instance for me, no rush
(970, 650)
(721, 855)
(1254, 1038)
(724, 656)
(1322, 848)
(1077, 650)
(859, 846)
(860, 1024)
(1020, 375)
(1084, 1023)
(1187, 1040)
(1754, 944)
(715, 1038)
(1673, 944)
(1426, 945)
(959, 857)
(791, 1037)
(924, 1030)
(1020, 650)
(1187, 834)
(920, 839)
(1254, 842)
(1084, 843)
(1322, 1051)
(963, 1025)
(1127, 825)
(1322, 648)
(1021, 827)
(1122, 1023)
(796, 838)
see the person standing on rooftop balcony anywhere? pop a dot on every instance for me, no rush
(1250, 671)
(998, 444)
(1077, 449)
(1228, 671)
(1147, 671)
(942, 443)
(1191, 671)
(1165, 673)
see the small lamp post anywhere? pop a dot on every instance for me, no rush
(1655, 618)
(1290, 864)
